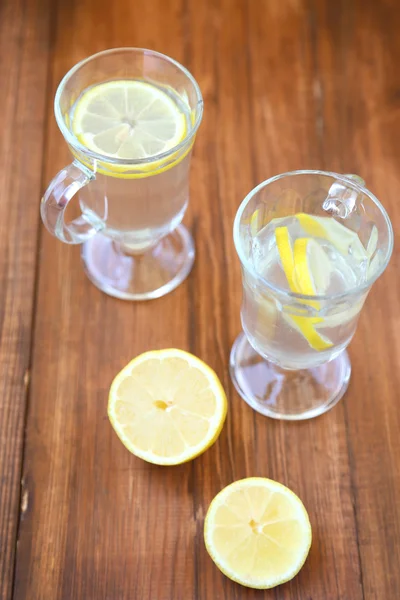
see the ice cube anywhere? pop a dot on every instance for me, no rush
(341, 200)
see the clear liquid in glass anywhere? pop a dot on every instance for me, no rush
(267, 316)
(138, 211)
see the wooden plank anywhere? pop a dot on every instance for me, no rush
(372, 149)
(24, 45)
(100, 523)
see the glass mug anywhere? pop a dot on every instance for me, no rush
(290, 362)
(134, 246)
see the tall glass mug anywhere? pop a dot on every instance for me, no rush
(311, 244)
(129, 117)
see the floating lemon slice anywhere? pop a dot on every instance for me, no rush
(167, 406)
(129, 120)
(258, 533)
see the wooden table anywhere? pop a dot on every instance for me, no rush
(287, 84)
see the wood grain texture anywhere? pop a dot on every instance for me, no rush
(24, 36)
(290, 84)
(373, 417)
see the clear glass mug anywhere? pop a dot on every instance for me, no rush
(134, 246)
(290, 362)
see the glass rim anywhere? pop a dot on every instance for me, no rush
(71, 139)
(321, 297)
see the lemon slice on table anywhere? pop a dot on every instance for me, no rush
(306, 270)
(128, 119)
(167, 406)
(257, 532)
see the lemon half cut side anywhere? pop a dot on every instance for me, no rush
(258, 532)
(167, 406)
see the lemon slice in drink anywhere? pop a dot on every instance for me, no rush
(307, 266)
(313, 271)
(306, 326)
(257, 532)
(128, 119)
(304, 275)
(344, 239)
(312, 267)
(167, 406)
(285, 250)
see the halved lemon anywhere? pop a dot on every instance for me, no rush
(257, 532)
(167, 406)
(128, 119)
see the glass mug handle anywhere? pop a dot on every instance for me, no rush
(55, 200)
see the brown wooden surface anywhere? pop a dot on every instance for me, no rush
(287, 84)
(24, 53)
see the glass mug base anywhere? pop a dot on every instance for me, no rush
(283, 394)
(139, 276)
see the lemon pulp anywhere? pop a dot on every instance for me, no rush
(257, 532)
(128, 119)
(167, 406)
